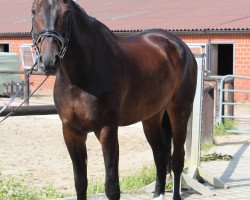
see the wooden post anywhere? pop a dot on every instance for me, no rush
(207, 114)
(26, 88)
(230, 109)
(30, 110)
(217, 101)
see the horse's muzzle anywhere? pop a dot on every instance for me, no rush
(49, 72)
(49, 64)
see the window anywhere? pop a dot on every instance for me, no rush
(4, 48)
(27, 56)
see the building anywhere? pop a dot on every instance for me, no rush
(219, 29)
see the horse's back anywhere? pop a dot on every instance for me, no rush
(158, 39)
(158, 50)
(158, 65)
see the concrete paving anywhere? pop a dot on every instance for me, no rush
(236, 173)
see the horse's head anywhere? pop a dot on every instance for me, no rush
(50, 32)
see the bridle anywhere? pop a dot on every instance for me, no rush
(62, 42)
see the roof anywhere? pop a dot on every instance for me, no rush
(179, 15)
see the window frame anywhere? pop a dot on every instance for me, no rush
(22, 55)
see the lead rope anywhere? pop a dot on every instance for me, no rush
(23, 85)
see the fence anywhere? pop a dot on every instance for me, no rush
(231, 109)
(9, 63)
(11, 87)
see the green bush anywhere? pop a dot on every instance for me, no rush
(15, 188)
(131, 183)
(135, 182)
(221, 129)
(216, 156)
(95, 187)
(205, 147)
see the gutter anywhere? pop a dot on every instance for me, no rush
(174, 31)
(15, 34)
(211, 31)
(192, 31)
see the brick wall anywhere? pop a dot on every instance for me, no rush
(241, 56)
(14, 44)
(241, 50)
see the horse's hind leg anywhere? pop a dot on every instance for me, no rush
(158, 133)
(179, 119)
(76, 144)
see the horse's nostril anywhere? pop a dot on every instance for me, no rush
(40, 59)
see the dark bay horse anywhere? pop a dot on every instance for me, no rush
(104, 81)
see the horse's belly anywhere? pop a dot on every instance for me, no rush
(141, 109)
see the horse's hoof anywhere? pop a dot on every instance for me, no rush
(161, 197)
(177, 198)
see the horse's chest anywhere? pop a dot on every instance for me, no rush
(82, 113)
(87, 113)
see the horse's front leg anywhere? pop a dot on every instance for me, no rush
(76, 144)
(109, 140)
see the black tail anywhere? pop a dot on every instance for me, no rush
(167, 139)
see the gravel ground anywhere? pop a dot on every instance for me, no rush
(33, 146)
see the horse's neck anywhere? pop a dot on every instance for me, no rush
(85, 40)
(79, 43)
